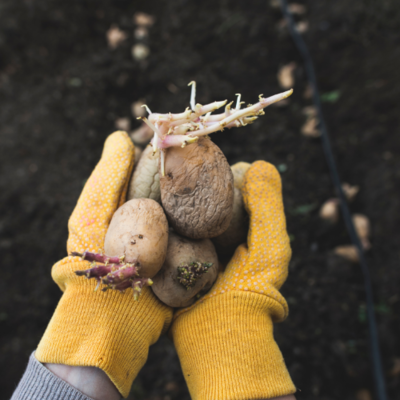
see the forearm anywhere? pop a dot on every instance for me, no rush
(91, 381)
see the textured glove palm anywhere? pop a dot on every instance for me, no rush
(225, 341)
(107, 330)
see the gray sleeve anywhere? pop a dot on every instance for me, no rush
(38, 383)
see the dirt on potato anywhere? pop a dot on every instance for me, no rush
(62, 89)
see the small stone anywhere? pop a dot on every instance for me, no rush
(285, 75)
(330, 211)
(350, 191)
(362, 225)
(124, 124)
(296, 8)
(142, 135)
(349, 252)
(302, 26)
(137, 109)
(310, 129)
(140, 51)
(143, 19)
(115, 37)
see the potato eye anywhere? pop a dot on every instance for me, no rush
(140, 236)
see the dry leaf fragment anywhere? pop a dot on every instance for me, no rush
(286, 76)
(124, 124)
(140, 51)
(115, 37)
(362, 225)
(143, 19)
(137, 109)
(330, 211)
(142, 135)
(296, 8)
(310, 128)
(350, 191)
(348, 251)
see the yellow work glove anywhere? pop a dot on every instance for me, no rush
(108, 330)
(225, 340)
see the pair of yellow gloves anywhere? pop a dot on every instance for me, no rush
(224, 341)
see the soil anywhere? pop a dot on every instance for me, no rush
(62, 88)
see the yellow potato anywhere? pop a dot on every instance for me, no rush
(139, 230)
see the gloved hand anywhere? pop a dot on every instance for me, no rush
(225, 340)
(108, 330)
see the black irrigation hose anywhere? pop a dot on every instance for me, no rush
(373, 332)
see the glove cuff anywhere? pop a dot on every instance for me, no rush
(108, 330)
(227, 350)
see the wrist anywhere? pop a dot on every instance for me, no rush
(227, 350)
(106, 330)
(91, 381)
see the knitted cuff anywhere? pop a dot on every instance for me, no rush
(108, 330)
(227, 350)
(39, 383)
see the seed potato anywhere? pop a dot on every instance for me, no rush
(139, 230)
(183, 252)
(145, 181)
(197, 190)
(236, 233)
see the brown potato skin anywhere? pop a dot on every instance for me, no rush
(182, 251)
(139, 230)
(197, 190)
(236, 233)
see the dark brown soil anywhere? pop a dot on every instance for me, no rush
(61, 89)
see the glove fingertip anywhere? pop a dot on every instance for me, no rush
(261, 180)
(119, 140)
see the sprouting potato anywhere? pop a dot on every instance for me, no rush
(191, 176)
(197, 190)
(135, 246)
(145, 181)
(139, 231)
(236, 233)
(195, 178)
(190, 269)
